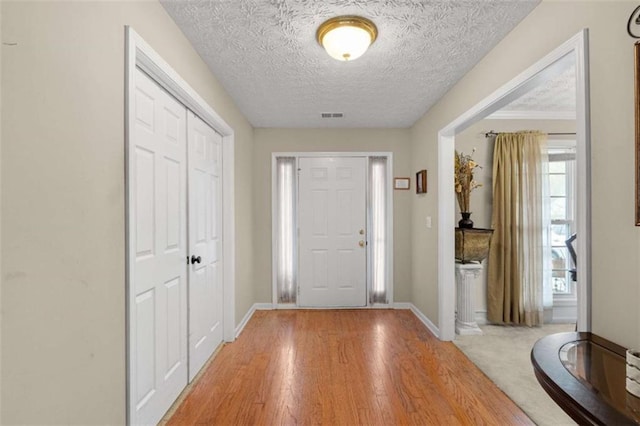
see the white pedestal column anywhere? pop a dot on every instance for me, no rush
(466, 274)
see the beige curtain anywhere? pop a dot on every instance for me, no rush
(516, 258)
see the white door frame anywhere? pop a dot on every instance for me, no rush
(139, 54)
(297, 155)
(515, 88)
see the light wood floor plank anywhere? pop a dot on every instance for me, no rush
(346, 367)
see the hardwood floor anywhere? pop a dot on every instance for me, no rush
(347, 367)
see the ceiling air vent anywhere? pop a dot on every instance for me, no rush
(332, 115)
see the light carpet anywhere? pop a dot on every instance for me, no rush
(503, 354)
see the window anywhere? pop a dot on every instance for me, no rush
(561, 179)
(378, 218)
(285, 230)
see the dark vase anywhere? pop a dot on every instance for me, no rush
(466, 221)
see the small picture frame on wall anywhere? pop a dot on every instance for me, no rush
(421, 182)
(402, 183)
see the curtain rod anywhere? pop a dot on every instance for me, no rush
(492, 133)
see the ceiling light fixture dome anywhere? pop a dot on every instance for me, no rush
(346, 38)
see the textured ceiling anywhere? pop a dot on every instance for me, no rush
(265, 54)
(555, 99)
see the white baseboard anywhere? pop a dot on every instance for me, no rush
(249, 314)
(481, 317)
(263, 306)
(402, 305)
(426, 321)
(563, 320)
(566, 313)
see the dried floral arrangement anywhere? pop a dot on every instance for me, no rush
(464, 182)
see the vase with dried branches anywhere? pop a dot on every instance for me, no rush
(464, 184)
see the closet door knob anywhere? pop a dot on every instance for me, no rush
(195, 259)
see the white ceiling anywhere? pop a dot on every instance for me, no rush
(265, 54)
(554, 99)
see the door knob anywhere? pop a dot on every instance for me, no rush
(361, 243)
(362, 232)
(195, 259)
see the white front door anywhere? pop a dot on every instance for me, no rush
(158, 298)
(332, 222)
(205, 242)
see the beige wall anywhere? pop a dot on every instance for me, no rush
(616, 287)
(1, 40)
(62, 166)
(63, 192)
(482, 197)
(268, 141)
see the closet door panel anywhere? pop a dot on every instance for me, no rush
(205, 242)
(158, 293)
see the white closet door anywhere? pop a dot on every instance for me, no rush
(158, 304)
(332, 220)
(205, 242)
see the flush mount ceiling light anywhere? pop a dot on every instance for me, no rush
(346, 38)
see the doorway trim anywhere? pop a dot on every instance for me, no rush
(140, 54)
(512, 90)
(390, 261)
